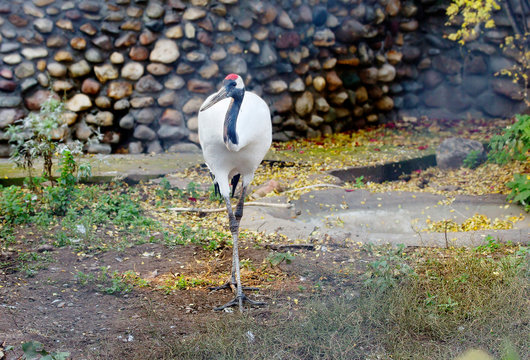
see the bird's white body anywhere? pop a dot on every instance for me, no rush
(254, 131)
(235, 132)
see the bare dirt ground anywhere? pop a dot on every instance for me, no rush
(54, 308)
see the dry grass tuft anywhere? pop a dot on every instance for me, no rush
(454, 300)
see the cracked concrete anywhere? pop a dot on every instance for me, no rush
(392, 217)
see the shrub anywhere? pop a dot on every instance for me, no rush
(16, 205)
(513, 143)
(473, 159)
(520, 190)
(32, 137)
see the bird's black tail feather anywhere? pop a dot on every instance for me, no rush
(233, 182)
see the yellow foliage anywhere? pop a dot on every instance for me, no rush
(473, 13)
(474, 223)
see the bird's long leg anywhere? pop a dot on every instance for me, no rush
(239, 208)
(238, 215)
(234, 229)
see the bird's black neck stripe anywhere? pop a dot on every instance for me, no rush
(231, 118)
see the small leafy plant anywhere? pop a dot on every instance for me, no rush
(16, 205)
(276, 259)
(359, 182)
(58, 197)
(387, 271)
(513, 143)
(520, 190)
(193, 189)
(84, 279)
(490, 246)
(473, 159)
(33, 137)
(180, 283)
(35, 350)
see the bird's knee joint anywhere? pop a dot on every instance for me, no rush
(234, 226)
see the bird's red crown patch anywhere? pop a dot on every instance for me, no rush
(231, 77)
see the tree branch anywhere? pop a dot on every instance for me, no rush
(508, 9)
(253, 203)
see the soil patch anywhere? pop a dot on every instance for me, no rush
(57, 309)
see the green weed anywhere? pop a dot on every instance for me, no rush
(209, 239)
(388, 270)
(16, 205)
(359, 182)
(31, 262)
(84, 279)
(473, 159)
(276, 258)
(520, 190)
(134, 279)
(164, 189)
(513, 143)
(180, 283)
(490, 246)
(192, 189)
(35, 350)
(112, 284)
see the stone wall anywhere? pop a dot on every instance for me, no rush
(138, 70)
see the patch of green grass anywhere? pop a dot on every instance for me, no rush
(31, 262)
(456, 300)
(113, 283)
(388, 269)
(6, 236)
(490, 245)
(180, 283)
(100, 210)
(17, 206)
(84, 213)
(209, 239)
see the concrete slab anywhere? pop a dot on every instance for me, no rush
(132, 168)
(394, 217)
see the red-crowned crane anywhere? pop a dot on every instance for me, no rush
(235, 133)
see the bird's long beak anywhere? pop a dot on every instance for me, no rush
(221, 94)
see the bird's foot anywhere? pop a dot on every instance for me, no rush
(238, 301)
(232, 286)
